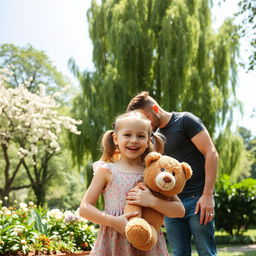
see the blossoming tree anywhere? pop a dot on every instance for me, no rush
(30, 125)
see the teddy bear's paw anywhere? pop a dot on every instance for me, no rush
(138, 231)
(148, 245)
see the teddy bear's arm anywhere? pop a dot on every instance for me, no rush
(133, 207)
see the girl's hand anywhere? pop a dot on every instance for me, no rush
(141, 196)
(120, 222)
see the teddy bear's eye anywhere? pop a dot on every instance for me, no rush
(173, 173)
(162, 169)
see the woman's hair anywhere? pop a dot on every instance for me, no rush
(110, 152)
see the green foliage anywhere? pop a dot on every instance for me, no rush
(235, 205)
(165, 47)
(29, 64)
(250, 145)
(240, 239)
(66, 188)
(66, 185)
(234, 158)
(247, 15)
(34, 229)
(23, 113)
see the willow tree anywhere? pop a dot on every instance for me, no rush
(168, 48)
(235, 160)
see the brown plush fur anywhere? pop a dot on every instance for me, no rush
(165, 177)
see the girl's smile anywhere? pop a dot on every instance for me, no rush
(132, 137)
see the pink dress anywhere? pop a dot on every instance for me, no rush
(109, 242)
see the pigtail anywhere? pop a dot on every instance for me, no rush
(108, 146)
(157, 143)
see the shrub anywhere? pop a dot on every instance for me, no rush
(235, 205)
(29, 228)
(228, 239)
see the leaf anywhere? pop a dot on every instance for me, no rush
(39, 225)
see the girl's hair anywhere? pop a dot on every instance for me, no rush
(110, 152)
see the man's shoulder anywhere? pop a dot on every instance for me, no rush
(192, 124)
(189, 117)
(185, 115)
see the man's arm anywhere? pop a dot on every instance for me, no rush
(205, 204)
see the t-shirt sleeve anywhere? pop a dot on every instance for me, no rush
(192, 124)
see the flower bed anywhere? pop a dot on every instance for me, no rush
(31, 230)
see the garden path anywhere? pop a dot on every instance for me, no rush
(243, 248)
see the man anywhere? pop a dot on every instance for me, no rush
(187, 140)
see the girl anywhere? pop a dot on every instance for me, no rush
(119, 170)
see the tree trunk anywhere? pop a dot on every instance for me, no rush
(8, 177)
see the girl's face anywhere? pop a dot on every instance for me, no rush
(132, 137)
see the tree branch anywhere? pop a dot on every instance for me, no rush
(7, 162)
(15, 172)
(35, 168)
(15, 79)
(28, 172)
(44, 166)
(20, 187)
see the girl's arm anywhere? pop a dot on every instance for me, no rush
(87, 207)
(173, 208)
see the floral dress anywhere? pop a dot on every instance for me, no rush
(109, 242)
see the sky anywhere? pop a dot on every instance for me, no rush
(60, 29)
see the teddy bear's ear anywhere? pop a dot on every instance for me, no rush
(187, 169)
(151, 157)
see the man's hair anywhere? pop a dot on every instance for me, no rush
(140, 101)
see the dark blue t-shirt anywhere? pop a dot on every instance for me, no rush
(178, 133)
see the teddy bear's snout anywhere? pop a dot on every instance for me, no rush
(165, 181)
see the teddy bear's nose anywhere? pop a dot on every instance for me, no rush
(167, 179)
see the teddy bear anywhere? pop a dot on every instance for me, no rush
(165, 177)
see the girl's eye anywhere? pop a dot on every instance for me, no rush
(127, 134)
(141, 136)
(162, 169)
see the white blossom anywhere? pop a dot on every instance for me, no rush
(31, 203)
(7, 212)
(32, 119)
(23, 241)
(56, 213)
(18, 229)
(23, 205)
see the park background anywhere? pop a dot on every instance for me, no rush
(61, 30)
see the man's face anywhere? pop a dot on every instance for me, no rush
(152, 116)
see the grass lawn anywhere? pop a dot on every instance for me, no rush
(232, 254)
(250, 232)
